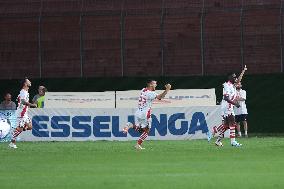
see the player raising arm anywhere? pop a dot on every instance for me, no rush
(229, 95)
(23, 120)
(222, 128)
(241, 75)
(143, 118)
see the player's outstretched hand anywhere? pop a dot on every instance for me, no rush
(168, 86)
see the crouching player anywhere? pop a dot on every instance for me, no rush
(143, 113)
(23, 120)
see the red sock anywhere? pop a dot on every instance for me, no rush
(232, 131)
(142, 137)
(221, 129)
(15, 134)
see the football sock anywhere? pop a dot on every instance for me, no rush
(221, 129)
(142, 137)
(232, 133)
(15, 134)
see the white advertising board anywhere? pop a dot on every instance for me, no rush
(107, 124)
(80, 99)
(175, 98)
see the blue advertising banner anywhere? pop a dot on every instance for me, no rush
(107, 124)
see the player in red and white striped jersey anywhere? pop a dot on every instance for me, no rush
(227, 107)
(23, 120)
(143, 113)
(227, 110)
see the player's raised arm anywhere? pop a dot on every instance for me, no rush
(163, 94)
(242, 74)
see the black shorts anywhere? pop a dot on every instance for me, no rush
(240, 118)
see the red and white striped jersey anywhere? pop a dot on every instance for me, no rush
(22, 109)
(146, 99)
(229, 90)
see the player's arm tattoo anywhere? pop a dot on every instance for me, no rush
(162, 95)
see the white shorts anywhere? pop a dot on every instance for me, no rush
(4, 128)
(22, 121)
(143, 118)
(225, 112)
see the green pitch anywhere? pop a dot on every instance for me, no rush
(164, 164)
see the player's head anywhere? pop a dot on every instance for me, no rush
(7, 96)
(26, 83)
(232, 77)
(152, 84)
(238, 85)
(41, 90)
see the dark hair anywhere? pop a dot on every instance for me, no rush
(23, 81)
(230, 75)
(44, 89)
(7, 92)
(150, 81)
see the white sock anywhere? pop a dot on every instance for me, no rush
(233, 140)
(246, 132)
(240, 133)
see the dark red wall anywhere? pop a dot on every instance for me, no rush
(75, 38)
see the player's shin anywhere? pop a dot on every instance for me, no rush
(245, 128)
(221, 128)
(143, 136)
(233, 133)
(15, 134)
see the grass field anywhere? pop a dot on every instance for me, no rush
(164, 164)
